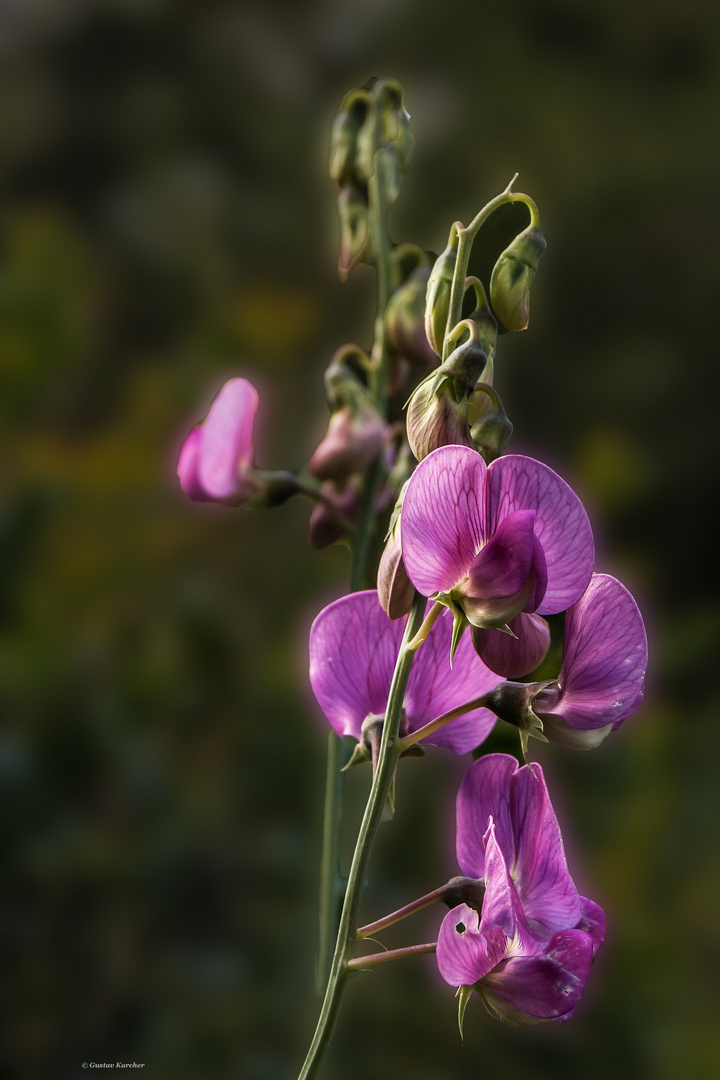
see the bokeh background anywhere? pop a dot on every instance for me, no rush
(167, 222)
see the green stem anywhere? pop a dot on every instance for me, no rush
(332, 883)
(366, 963)
(466, 238)
(382, 780)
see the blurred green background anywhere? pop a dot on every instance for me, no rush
(167, 222)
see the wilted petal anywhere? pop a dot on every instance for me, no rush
(464, 954)
(603, 669)
(549, 898)
(435, 688)
(521, 483)
(226, 446)
(442, 518)
(541, 987)
(353, 649)
(395, 589)
(514, 656)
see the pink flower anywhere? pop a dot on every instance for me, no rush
(216, 462)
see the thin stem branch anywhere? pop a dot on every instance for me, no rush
(434, 897)
(435, 725)
(466, 238)
(382, 780)
(332, 883)
(366, 963)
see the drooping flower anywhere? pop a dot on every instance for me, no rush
(216, 459)
(528, 950)
(602, 676)
(353, 650)
(496, 543)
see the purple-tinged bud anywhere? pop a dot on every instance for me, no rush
(356, 432)
(326, 528)
(395, 589)
(435, 418)
(437, 412)
(354, 231)
(439, 286)
(513, 275)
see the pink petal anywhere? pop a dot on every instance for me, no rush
(435, 688)
(353, 649)
(226, 448)
(187, 467)
(592, 921)
(603, 669)
(442, 518)
(484, 793)
(464, 954)
(542, 987)
(520, 483)
(502, 567)
(514, 656)
(549, 898)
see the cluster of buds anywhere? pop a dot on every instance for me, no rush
(370, 138)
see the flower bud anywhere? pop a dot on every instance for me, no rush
(395, 590)
(354, 233)
(405, 320)
(435, 417)
(513, 275)
(437, 298)
(356, 431)
(344, 133)
(491, 429)
(385, 127)
(325, 527)
(483, 318)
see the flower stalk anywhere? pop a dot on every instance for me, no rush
(382, 781)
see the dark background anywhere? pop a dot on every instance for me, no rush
(167, 222)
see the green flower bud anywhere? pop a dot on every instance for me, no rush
(513, 275)
(354, 232)
(386, 126)
(405, 320)
(490, 427)
(343, 135)
(437, 298)
(483, 318)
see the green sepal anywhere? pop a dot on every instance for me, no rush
(463, 995)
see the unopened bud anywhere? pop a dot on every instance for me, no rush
(343, 135)
(405, 320)
(386, 127)
(513, 275)
(483, 318)
(326, 527)
(395, 590)
(435, 417)
(354, 232)
(353, 439)
(439, 286)
(491, 429)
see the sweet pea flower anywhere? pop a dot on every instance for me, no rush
(216, 459)
(500, 545)
(602, 677)
(353, 650)
(528, 950)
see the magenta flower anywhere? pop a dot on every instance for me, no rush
(496, 543)
(529, 949)
(602, 676)
(216, 459)
(353, 650)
